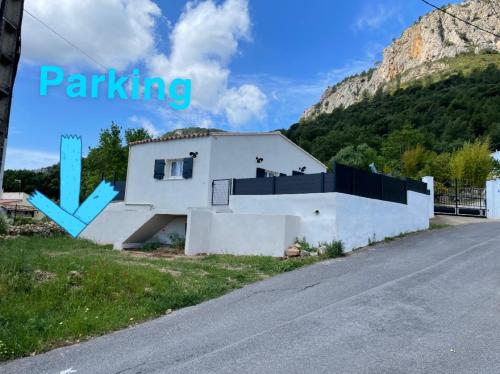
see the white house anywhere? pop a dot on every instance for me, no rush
(168, 177)
(237, 193)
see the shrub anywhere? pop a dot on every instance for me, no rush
(472, 163)
(177, 241)
(4, 227)
(334, 249)
(304, 245)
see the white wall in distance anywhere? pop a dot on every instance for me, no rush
(430, 187)
(493, 199)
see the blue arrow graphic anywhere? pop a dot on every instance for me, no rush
(70, 215)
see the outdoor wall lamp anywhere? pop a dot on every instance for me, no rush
(193, 154)
(259, 159)
(302, 169)
(316, 212)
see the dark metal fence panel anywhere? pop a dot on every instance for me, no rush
(393, 190)
(417, 186)
(367, 184)
(253, 186)
(307, 183)
(344, 179)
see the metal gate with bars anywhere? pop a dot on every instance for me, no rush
(459, 198)
(221, 190)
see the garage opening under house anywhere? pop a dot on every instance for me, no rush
(252, 193)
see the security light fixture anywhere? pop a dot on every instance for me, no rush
(259, 159)
(193, 154)
(302, 169)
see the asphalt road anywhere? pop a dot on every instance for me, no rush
(429, 303)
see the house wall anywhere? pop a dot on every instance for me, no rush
(239, 234)
(235, 156)
(116, 223)
(173, 194)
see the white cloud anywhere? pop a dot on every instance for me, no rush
(18, 158)
(114, 32)
(147, 125)
(374, 16)
(203, 42)
(243, 103)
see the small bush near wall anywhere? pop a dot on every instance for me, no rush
(177, 241)
(333, 249)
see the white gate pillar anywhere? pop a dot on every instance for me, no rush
(493, 199)
(430, 186)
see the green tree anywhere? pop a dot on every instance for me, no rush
(472, 163)
(397, 143)
(108, 160)
(360, 156)
(415, 160)
(439, 167)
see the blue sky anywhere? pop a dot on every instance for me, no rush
(255, 65)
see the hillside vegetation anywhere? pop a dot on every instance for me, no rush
(440, 113)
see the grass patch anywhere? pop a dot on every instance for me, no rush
(57, 291)
(438, 226)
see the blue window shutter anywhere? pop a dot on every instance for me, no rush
(187, 171)
(261, 173)
(159, 169)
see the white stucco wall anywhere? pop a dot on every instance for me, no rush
(240, 234)
(493, 199)
(315, 227)
(116, 223)
(334, 216)
(430, 186)
(361, 220)
(235, 156)
(173, 194)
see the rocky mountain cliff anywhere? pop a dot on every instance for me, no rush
(423, 49)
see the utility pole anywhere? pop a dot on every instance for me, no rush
(11, 16)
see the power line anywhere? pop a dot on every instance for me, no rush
(460, 19)
(65, 39)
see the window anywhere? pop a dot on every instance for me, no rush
(175, 169)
